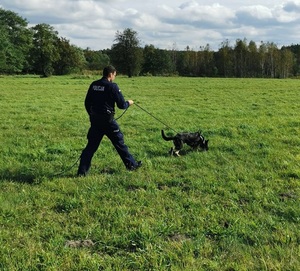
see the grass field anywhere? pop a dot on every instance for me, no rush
(235, 207)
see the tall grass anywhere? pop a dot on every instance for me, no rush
(235, 207)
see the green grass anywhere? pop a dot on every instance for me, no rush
(235, 207)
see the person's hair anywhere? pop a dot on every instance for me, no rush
(108, 69)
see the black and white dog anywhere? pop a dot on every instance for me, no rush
(194, 140)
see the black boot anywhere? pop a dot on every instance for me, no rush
(135, 167)
(83, 169)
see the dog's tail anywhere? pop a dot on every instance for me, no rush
(167, 138)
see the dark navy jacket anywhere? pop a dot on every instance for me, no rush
(102, 96)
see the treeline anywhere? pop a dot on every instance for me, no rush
(40, 50)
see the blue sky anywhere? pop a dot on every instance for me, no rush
(166, 24)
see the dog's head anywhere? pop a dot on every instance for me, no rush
(197, 140)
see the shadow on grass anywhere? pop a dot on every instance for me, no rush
(21, 175)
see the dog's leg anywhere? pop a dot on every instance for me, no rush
(176, 152)
(171, 151)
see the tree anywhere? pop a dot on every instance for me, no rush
(206, 61)
(262, 55)
(95, 60)
(5, 47)
(225, 60)
(187, 63)
(148, 63)
(286, 63)
(71, 58)
(253, 60)
(295, 49)
(126, 53)
(272, 60)
(157, 61)
(15, 42)
(44, 52)
(240, 57)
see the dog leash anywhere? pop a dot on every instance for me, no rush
(122, 114)
(154, 117)
(148, 114)
(66, 170)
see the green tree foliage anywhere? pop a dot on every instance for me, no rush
(240, 58)
(126, 53)
(286, 63)
(44, 52)
(206, 62)
(4, 48)
(272, 57)
(71, 58)
(224, 60)
(192, 62)
(262, 55)
(187, 62)
(95, 60)
(248, 60)
(157, 61)
(253, 60)
(295, 50)
(15, 42)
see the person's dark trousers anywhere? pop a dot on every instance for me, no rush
(98, 129)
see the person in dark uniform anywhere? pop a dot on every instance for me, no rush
(100, 103)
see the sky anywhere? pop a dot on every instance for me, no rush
(166, 24)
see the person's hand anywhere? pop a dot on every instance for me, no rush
(130, 102)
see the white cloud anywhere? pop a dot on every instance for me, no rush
(259, 12)
(292, 6)
(288, 12)
(215, 14)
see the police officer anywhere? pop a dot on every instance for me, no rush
(100, 103)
